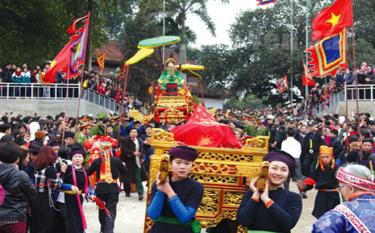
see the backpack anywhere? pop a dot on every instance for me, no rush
(2, 195)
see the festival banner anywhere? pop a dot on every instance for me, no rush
(72, 55)
(328, 55)
(307, 79)
(333, 19)
(282, 84)
(101, 62)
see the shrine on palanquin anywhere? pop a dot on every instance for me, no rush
(224, 166)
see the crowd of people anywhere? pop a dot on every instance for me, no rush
(50, 150)
(101, 84)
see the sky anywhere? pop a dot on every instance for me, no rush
(223, 15)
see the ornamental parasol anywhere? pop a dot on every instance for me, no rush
(158, 41)
(203, 130)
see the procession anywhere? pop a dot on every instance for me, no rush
(118, 116)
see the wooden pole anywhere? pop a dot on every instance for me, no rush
(126, 73)
(83, 68)
(356, 78)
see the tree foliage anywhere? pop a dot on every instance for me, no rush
(260, 52)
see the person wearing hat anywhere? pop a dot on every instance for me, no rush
(100, 128)
(83, 133)
(77, 176)
(367, 157)
(357, 187)
(174, 203)
(108, 169)
(275, 209)
(310, 148)
(171, 76)
(324, 180)
(69, 144)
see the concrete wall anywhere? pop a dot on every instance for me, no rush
(49, 107)
(364, 106)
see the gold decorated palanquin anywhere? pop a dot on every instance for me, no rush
(172, 109)
(222, 171)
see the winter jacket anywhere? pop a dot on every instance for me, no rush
(18, 192)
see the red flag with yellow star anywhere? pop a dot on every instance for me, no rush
(332, 19)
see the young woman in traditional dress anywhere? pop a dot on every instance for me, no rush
(275, 209)
(76, 175)
(174, 203)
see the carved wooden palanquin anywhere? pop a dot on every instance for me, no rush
(222, 171)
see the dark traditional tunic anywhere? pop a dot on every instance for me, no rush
(328, 196)
(72, 208)
(281, 216)
(189, 192)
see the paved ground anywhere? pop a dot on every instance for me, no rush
(130, 215)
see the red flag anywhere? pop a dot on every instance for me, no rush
(307, 80)
(332, 19)
(282, 84)
(72, 28)
(71, 57)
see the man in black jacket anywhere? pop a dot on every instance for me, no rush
(310, 148)
(107, 189)
(132, 152)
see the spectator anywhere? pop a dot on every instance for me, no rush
(19, 189)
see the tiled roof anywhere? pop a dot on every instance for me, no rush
(111, 50)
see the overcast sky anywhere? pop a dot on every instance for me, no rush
(223, 15)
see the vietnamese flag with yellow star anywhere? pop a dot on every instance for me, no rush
(332, 19)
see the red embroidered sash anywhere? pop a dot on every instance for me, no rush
(353, 219)
(86, 190)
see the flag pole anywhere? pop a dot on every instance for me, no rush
(307, 46)
(80, 82)
(356, 78)
(163, 50)
(126, 73)
(291, 51)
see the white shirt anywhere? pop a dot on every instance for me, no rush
(292, 146)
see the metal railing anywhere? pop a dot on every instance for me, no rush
(101, 100)
(39, 91)
(330, 103)
(365, 92)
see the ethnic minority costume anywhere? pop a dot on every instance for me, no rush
(328, 196)
(281, 216)
(356, 215)
(108, 169)
(283, 211)
(176, 215)
(43, 206)
(73, 201)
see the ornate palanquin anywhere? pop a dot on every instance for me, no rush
(173, 109)
(222, 171)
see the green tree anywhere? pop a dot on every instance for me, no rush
(179, 10)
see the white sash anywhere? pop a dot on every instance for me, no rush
(353, 219)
